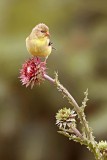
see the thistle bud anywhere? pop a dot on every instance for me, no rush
(65, 118)
(102, 145)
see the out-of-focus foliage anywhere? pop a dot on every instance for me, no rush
(79, 33)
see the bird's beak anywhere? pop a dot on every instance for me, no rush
(47, 34)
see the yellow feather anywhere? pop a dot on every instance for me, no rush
(39, 46)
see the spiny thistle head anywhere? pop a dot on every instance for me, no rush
(65, 118)
(102, 145)
(32, 72)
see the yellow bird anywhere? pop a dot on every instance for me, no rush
(38, 42)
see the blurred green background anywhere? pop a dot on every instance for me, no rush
(27, 117)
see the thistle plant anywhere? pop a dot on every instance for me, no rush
(33, 72)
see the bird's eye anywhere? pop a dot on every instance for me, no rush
(42, 31)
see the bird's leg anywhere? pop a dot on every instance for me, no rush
(46, 59)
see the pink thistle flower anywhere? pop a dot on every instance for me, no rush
(32, 72)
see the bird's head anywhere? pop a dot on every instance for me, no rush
(41, 31)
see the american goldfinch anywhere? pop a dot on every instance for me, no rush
(38, 42)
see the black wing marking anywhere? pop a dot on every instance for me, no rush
(50, 44)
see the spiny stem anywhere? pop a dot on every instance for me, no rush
(80, 113)
(89, 137)
(76, 131)
(71, 100)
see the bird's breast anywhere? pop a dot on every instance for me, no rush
(39, 46)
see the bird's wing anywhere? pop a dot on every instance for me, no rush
(51, 44)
